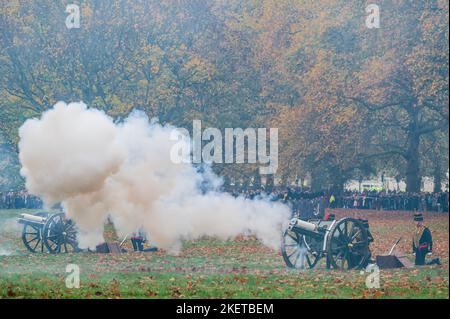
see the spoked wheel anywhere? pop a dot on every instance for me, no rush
(32, 236)
(296, 251)
(59, 235)
(348, 245)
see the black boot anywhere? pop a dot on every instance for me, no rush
(434, 261)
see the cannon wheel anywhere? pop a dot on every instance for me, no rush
(348, 245)
(59, 235)
(296, 251)
(32, 235)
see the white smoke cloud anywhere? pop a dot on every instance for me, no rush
(80, 157)
(9, 232)
(4, 252)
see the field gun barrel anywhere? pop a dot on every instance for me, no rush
(31, 218)
(305, 225)
(344, 243)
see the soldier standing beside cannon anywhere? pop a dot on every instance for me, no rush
(422, 242)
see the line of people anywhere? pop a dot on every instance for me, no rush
(425, 202)
(19, 200)
(376, 200)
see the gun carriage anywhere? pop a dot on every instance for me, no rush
(343, 243)
(48, 232)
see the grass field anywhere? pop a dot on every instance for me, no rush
(209, 268)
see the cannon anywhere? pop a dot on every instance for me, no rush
(344, 243)
(48, 232)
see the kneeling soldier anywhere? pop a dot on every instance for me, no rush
(422, 242)
(138, 239)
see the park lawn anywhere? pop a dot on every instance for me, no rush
(209, 268)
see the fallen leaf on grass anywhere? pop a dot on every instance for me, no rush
(11, 292)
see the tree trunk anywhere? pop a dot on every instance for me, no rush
(257, 180)
(284, 180)
(226, 182)
(245, 182)
(437, 177)
(337, 187)
(318, 181)
(269, 182)
(413, 177)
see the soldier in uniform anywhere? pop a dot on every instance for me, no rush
(422, 242)
(138, 239)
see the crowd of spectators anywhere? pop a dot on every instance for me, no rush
(376, 200)
(304, 203)
(425, 202)
(18, 200)
(299, 199)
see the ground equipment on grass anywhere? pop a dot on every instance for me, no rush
(48, 232)
(344, 243)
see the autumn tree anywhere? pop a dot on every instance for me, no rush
(349, 101)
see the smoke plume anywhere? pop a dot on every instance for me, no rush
(9, 232)
(98, 168)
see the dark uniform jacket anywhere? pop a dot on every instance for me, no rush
(422, 240)
(422, 244)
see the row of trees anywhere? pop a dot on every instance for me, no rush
(348, 100)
